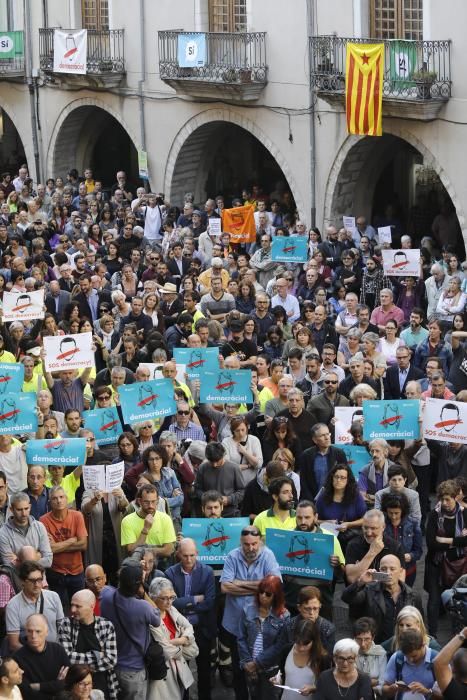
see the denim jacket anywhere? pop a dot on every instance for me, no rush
(166, 487)
(250, 627)
(409, 536)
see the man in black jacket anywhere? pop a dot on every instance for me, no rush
(321, 407)
(316, 462)
(357, 376)
(331, 248)
(142, 322)
(398, 375)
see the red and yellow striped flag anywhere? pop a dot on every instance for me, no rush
(364, 74)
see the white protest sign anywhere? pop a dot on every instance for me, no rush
(215, 227)
(445, 421)
(345, 415)
(349, 223)
(98, 477)
(23, 306)
(63, 352)
(155, 371)
(401, 263)
(385, 235)
(70, 51)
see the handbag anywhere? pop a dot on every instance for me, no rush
(154, 659)
(451, 570)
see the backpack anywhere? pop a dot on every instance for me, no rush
(400, 661)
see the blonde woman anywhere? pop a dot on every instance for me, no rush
(361, 393)
(409, 618)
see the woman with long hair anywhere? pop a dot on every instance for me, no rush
(389, 344)
(286, 459)
(245, 301)
(409, 618)
(127, 282)
(303, 339)
(324, 270)
(459, 323)
(107, 219)
(49, 326)
(151, 309)
(274, 345)
(71, 313)
(243, 449)
(280, 435)
(281, 320)
(128, 451)
(340, 502)
(405, 530)
(409, 295)
(260, 626)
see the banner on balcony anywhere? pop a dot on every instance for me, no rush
(11, 45)
(402, 63)
(364, 72)
(70, 51)
(191, 50)
(240, 223)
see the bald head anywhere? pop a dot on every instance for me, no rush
(95, 578)
(194, 341)
(391, 566)
(187, 553)
(82, 606)
(36, 628)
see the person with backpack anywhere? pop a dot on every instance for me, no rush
(410, 671)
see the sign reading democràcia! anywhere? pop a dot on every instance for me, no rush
(445, 421)
(357, 457)
(11, 378)
(101, 477)
(23, 306)
(104, 423)
(395, 420)
(345, 416)
(197, 361)
(226, 385)
(18, 413)
(70, 51)
(401, 263)
(143, 400)
(293, 249)
(214, 537)
(67, 452)
(64, 352)
(302, 553)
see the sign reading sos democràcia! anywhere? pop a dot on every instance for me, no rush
(197, 361)
(11, 378)
(226, 385)
(302, 553)
(345, 416)
(104, 423)
(214, 537)
(357, 457)
(394, 420)
(18, 413)
(293, 249)
(64, 352)
(144, 400)
(69, 452)
(401, 263)
(445, 421)
(23, 306)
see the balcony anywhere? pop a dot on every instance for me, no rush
(232, 67)
(12, 65)
(417, 74)
(105, 61)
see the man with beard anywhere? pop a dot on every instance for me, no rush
(415, 333)
(322, 406)
(281, 516)
(307, 521)
(316, 462)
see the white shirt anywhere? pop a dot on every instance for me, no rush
(152, 223)
(290, 303)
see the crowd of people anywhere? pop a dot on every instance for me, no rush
(103, 595)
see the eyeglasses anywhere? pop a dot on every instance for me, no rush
(103, 397)
(167, 598)
(338, 477)
(183, 413)
(331, 381)
(34, 581)
(95, 580)
(344, 659)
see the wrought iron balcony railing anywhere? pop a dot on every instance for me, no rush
(13, 65)
(414, 70)
(105, 51)
(230, 58)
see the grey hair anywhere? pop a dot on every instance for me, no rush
(158, 585)
(378, 442)
(295, 390)
(372, 337)
(167, 435)
(117, 370)
(363, 391)
(346, 645)
(375, 514)
(54, 490)
(387, 290)
(436, 267)
(19, 497)
(354, 333)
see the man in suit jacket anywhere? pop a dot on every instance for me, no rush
(193, 582)
(89, 299)
(398, 375)
(331, 248)
(56, 300)
(316, 462)
(178, 266)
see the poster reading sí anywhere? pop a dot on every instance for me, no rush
(394, 420)
(64, 352)
(226, 385)
(104, 423)
(445, 421)
(302, 553)
(214, 537)
(69, 452)
(18, 413)
(197, 361)
(289, 249)
(143, 400)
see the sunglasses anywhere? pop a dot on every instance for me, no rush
(250, 531)
(330, 381)
(103, 397)
(183, 413)
(281, 420)
(268, 594)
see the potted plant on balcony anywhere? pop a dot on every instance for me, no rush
(424, 79)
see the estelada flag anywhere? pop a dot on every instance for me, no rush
(364, 75)
(240, 223)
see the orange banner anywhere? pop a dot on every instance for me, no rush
(240, 223)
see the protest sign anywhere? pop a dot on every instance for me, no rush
(197, 361)
(64, 352)
(69, 452)
(104, 423)
(226, 385)
(143, 400)
(214, 537)
(401, 263)
(215, 226)
(155, 371)
(240, 223)
(70, 51)
(384, 235)
(302, 553)
(101, 477)
(349, 223)
(293, 249)
(11, 378)
(445, 421)
(345, 415)
(391, 420)
(357, 457)
(23, 306)
(18, 413)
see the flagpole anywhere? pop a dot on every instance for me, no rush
(310, 12)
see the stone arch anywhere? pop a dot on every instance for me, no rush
(26, 143)
(65, 148)
(346, 172)
(188, 152)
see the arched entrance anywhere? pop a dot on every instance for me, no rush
(369, 175)
(90, 136)
(220, 152)
(12, 152)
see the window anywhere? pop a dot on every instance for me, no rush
(227, 16)
(397, 19)
(95, 14)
